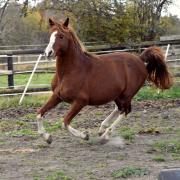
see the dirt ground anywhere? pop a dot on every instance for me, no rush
(29, 157)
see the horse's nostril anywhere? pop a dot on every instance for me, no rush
(49, 54)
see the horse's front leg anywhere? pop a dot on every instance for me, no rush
(75, 108)
(52, 102)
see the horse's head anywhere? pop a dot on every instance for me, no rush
(59, 38)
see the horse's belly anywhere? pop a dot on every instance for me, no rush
(100, 101)
(103, 96)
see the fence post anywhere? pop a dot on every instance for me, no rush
(10, 67)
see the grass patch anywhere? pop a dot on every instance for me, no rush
(16, 128)
(101, 165)
(2, 142)
(42, 146)
(127, 133)
(147, 92)
(29, 101)
(151, 130)
(98, 113)
(30, 116)
(175, 156)
(159, 158)
(7, 125)
(177, 131)
(59, 175)
(21, 128)
(21, 79)
(130, 171)
(52, 127)
(168, 146)
(22, 132)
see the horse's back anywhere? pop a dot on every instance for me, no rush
(133, 68)
(115, 74)
(128, 63)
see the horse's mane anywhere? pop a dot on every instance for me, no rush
(77, 41)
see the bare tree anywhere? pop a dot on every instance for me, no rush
(3, 7)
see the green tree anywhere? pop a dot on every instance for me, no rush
(170, 25)
(115, 21)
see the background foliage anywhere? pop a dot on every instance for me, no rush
(114, 21)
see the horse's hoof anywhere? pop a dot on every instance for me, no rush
(100, 133)
(104, 138)
(63, 127)
(49, 140)
(86, 136)
(103, 141)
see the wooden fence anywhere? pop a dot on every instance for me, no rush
(9, 55)
(10, 69)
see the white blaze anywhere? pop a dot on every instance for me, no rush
(49, 47)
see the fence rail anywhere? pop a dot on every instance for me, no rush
(176, 63)
(9, 56)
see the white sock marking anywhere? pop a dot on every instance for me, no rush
(41, 129)
(76, 132)
(110, 130)
(106, 122)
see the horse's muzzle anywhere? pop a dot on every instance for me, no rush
(48, 55)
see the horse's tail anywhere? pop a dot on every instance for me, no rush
(156, 67)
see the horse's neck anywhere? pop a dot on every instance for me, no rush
(59, 69)
(72, 61)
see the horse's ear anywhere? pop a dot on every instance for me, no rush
(51, 22)
(66, 22)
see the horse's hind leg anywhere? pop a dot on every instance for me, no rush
(111, 129)
(108, 120)
(52, 102)
(124, 107)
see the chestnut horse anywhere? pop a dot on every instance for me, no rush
(84, 79)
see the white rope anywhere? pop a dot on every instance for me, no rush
(30, 78)
(167, 50)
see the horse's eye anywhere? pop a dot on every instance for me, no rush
(61, 36)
